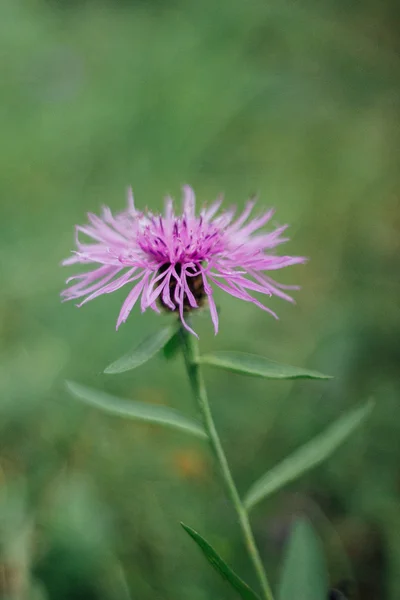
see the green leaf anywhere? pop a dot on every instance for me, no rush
(146, 350)
(141, 411)
(308, 456)
(173, 346)
(304, 575)
(257, 366)
(220, 566)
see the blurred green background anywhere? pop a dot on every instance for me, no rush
(298, 101)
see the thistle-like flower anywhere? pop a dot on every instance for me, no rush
(174, 261)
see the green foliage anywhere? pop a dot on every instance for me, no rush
(304, 575)
(144, 352)
(308, 456)
(258, 366)
(220, 566)
(172, 347)
(140, 411)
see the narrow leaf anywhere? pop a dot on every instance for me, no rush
(141, 411)
(308, 456)
(173, 346)
(146, 350)
(304, 575)
(257, 366)
(220, 566)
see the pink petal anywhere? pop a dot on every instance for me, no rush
(211, 303)
(189, 202)
(244, 216)
(130, 301)
(213, 209)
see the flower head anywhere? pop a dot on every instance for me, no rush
(173, 261)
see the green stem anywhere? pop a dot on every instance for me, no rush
(191, 354)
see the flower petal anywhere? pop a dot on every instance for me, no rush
(130, 301)
(211, 303)
(189, 202)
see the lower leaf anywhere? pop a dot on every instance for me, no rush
(308, 456)
(221, 567)
(304, 575)
(141, 411)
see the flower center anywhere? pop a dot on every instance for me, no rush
(195, 284)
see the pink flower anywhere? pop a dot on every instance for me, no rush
(174, 261)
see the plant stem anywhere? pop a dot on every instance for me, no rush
(191, 354)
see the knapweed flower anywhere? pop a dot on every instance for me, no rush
(173, 261)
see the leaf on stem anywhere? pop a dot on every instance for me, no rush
(304, 575)
(140, 411)
(220, 566)
(257, 366)
(308, 456)
(146, 350)
(173, 346)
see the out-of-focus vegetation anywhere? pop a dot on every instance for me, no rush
(299, 101)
